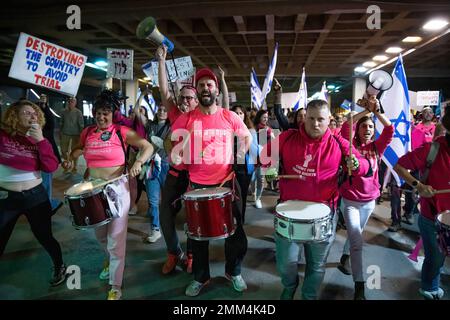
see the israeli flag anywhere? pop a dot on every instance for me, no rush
(395, 102)
(302, 93)
(346, 105)
(255, 90)
(269, 76)
(323, 95)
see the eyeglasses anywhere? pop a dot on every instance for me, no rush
(188, 98)
(29, 113)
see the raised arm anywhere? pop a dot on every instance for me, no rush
(223, 85)
(277, 108)
(166, 99)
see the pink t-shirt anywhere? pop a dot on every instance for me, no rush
(438, 177)
(427, 130)
(103, 149)
(210, 143)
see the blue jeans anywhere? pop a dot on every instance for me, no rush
(434, 259)
(47, 179)
(316, 254)
(153, 188)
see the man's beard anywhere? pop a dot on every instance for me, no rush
(207, 101)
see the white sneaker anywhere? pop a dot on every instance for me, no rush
(153, 236)
(114, 294)
(237, 281)
(258, 204)
(132, 211)
(104, 275)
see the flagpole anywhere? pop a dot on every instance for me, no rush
(350, 139)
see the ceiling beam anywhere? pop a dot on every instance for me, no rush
(375, 39)
(242, 29)
(270, 35)
(214, 27)
(299, 25)
(328, 26)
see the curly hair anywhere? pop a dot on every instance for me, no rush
(107, 99)
(11, 118)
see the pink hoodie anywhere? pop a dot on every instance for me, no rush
(316, 161)
(20, 153)
(364, 189)
(438, 178)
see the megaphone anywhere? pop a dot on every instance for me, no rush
(147, 30)
(379, 80)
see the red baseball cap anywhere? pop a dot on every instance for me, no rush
(205, 73)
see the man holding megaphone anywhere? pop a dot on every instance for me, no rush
(177, 180)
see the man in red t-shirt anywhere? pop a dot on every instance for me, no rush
(211, 129)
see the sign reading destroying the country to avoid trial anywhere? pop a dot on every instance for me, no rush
(47, 65)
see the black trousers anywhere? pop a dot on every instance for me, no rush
(235, 245)
(172, 190)
(35, 205)
(244, 182)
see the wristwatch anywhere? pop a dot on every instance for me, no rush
(415, 183)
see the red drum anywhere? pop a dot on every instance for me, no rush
(443, 231)
(88, 205)
(209, 213)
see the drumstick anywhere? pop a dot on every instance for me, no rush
(290, 176)
(442, 191)
(226, 179)
(109, 181)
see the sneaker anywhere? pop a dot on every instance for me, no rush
(344, 265)
(171, 263)
(104, 275)
(189, 263)
(59, 275)
(133, 211)
(288, 294)
(395, 226)
(238, 282)
(432, 295)
(258, 204)
(194, 288)
(153, 236)
(114, 294)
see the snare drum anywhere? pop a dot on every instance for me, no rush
(443, 230)
(88, 205)
(209, 213)
(304, 221)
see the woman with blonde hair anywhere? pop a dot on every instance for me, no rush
(24, 155)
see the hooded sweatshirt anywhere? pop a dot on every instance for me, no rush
(438, 177)
(367, 188)
(316, 161)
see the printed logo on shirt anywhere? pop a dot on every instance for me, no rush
(106, 135)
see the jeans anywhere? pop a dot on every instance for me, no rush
(410, 202)
(153, 188)
(434, 259)
(396, 210)
(259, 178)
(47, 180)
(316, 254)
(356, 215)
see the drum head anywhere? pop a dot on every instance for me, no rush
(206, 193)
(444, 218)
(302, 210)
(80, 188)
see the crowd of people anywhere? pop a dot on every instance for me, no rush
(195, 144)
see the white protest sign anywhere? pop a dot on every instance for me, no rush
(232, 97)
(427, 98)
(184, 68)
(120, 63)
(289, 99)
(47, 65)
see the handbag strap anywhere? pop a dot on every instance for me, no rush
(119, 134)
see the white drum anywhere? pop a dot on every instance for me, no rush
(303, 221)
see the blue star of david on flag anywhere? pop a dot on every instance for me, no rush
(404, 138)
